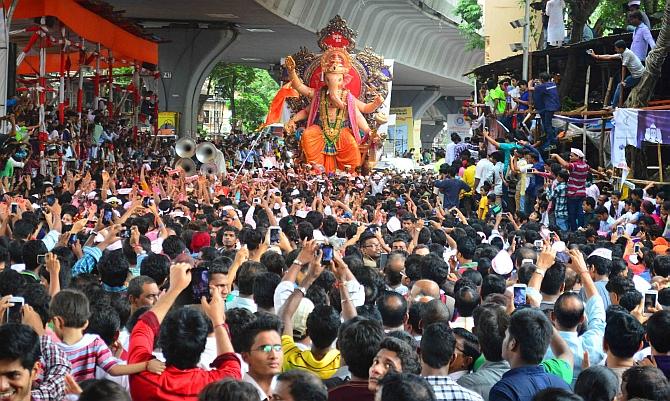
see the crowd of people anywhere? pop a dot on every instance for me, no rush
(512, 271)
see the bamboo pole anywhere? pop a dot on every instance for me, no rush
(660, 162)
(606, 100)
(548, 72)
(601, 153)
(586, 106)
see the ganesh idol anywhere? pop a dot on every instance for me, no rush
(335, 122)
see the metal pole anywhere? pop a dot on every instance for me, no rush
(526, 40)
(586, 105)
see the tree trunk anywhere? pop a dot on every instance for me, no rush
(579, 13)
(643, 92)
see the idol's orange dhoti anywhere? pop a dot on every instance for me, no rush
(313, 144)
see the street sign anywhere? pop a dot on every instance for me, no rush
(166, 74)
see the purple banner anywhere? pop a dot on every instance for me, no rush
(653, 126)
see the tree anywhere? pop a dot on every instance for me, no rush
(253, 103)
(248, 90)
(610, 14)
(642, 93)
(579, 12)
(230, 79)
(471, 13)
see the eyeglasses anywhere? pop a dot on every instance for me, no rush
(269, 348)
(372, 246)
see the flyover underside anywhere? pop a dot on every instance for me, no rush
(429, 54)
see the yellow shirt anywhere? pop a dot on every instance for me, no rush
(483, 209)
(294, 358)
(469, 178)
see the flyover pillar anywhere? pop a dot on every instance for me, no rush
(186, 58)
(428, 133)
(448, 105)
(420, 100)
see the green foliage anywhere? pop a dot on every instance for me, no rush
(610, 13)
(471, 13)
(248, 90)
(123, 81)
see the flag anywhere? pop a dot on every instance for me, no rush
(277, 104)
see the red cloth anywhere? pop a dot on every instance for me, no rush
(200, 240)
(174, 384)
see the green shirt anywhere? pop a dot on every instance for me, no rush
(498, 95)
(97, 133)
(507, 148)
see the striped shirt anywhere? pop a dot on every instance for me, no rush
(577, 181)
(86, 354)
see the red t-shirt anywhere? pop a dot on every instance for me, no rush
(174, 384)
(577, 181)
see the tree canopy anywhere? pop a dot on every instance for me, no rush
(471, 13)
(247, 90)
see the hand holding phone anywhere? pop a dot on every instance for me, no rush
(13, 313)
(275, 232)
(327, 253)
(200, 284)
(519, 295)
(650, 301)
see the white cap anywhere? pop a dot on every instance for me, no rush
(602, 252)
(502, 263)
(578, 152)
(633, 3)
(393, 224)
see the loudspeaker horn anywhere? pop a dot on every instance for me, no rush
(187, 165)
(185, 148)
(209, 169)
(205, 152)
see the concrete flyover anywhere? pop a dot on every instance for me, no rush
(420, 35)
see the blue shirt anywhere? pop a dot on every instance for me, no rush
(601, 285)
(451, 188)
(642, 41)
(591, 340)
(524, 96)
(521, 384)
(546, 97)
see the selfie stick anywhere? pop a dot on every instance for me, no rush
(248, 153)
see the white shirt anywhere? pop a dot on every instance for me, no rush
(593, 192)
(261, 394)
(483, 171)
(449, 158)
(619, 210)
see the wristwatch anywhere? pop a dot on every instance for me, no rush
(297, 262)
(540, 272)
(302, 289)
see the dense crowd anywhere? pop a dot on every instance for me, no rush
(504, 272)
